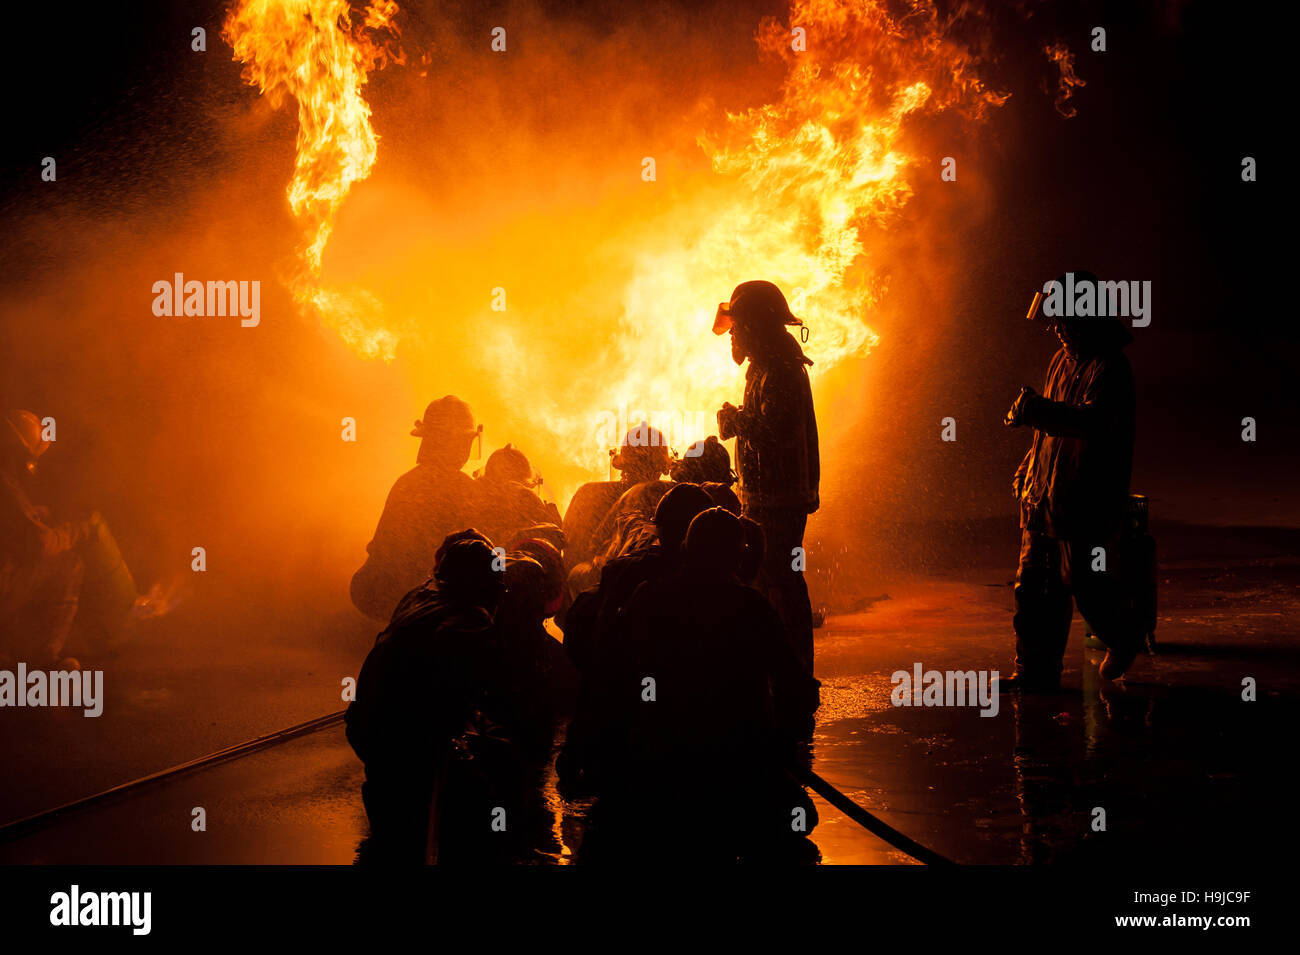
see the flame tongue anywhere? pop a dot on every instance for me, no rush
(311, 50)
(827, 160)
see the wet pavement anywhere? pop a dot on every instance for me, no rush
(1181, 765)
(297, 803)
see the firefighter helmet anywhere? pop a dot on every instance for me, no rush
(644, 451)
(448, 417)
(757, 303)
(508, 464)
(705, 461)
(26, 429)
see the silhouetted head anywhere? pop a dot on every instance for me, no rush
(756, 317)
(704, 462)
(508, 464)
(675, 512)
(460, 537)
(552, 564)
(546, 533)
(1087, 335)
(447, 431)
(755, 547)
(527, 592)
(643, 456)
(465, 569)
(723, 496)
(715, 543)
(23, 441)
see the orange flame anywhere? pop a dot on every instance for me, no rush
(802, 180)
(800, 190)
(1060, 54)
(311, 50)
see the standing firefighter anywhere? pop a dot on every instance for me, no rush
(427, 503)
(1072, 487)
(41, 571)
(776, 445)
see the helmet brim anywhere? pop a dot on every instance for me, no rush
(722, 320)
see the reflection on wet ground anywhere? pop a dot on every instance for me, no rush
(1180, 772)
(1181, 766)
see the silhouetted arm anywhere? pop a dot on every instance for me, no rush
(579, 523)
(36, 536)
(777, 414)
(1018, 482)
(1107, 399)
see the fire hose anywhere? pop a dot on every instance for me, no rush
(30, 824)
(40, 820)
(869, 822)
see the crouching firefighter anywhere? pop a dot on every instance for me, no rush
(41, 570)
(1072, 488)
(417, 689)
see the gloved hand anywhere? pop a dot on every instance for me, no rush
(727, 420)
(1017, 409)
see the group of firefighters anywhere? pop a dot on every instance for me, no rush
(685, 681)
(686, 663)
(685, 670)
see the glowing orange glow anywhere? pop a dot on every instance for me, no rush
(794, 189)
(800, 180)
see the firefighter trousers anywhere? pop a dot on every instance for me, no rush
(1054, 575)
(780, 581)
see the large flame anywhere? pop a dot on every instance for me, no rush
(312, 51)
(799, 189)
(804, 178)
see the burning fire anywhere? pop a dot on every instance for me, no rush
(803, 180)
(312, 51)
(799, 186)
